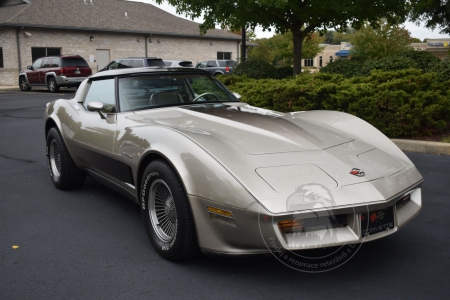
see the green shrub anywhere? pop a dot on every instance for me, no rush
(388, 63)
(346, 67)
(401, 103)
(424, 60)
(284, 72)
(443, 71)
(256, 69)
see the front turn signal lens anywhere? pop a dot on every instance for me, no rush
(219, 211)
(289, 226)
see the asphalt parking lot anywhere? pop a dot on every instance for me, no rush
(91, 244)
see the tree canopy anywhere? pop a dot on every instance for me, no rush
(279, 49)
(386, 40)
(435, 14)
(300, 17)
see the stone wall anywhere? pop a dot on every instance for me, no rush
(120, 45)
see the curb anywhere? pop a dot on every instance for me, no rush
(9, 88)
(423, 146)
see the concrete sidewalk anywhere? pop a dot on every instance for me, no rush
(405, 145)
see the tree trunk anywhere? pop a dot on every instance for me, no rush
(243, 46)
(298, 44)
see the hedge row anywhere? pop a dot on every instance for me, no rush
(358, 66)
(402, 103)
(258, 69)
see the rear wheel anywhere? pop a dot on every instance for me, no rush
(166, 212)
(52, 85)
(24, 85)
(63, 171)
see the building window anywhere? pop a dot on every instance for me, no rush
(223, 55)
(309, 62)
(1, 57)
(41, 52)
(320, 61)
(331, 59)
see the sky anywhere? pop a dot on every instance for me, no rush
(419, 32)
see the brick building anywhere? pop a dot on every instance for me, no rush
(101, 31)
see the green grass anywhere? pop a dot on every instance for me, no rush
(446, 139)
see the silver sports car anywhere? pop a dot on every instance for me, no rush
(215, 174)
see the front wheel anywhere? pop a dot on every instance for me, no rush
(24, 85)
(166, 212)
(63, 171)
(52, 85)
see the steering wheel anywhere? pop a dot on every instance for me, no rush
(204, 94)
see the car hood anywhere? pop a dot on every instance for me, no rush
(252, 130)
(274, 154)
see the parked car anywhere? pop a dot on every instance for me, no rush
(211, 172)
(134, 62)
(55, 72)
(217, 67)
(178, 63)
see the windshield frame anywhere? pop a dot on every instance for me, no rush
(144, 93)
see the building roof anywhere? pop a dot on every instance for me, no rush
(104, 15)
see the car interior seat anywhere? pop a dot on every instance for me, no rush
(163, 98)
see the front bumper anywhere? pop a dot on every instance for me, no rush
(252, 229)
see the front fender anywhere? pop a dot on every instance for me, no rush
(202, 175)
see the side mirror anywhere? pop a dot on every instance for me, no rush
(98, 107)
(30, 67)
(238, 96)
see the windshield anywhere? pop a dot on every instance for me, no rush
(74, 62)
(149, 91)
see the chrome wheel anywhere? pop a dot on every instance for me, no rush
(51, 85)
(23, 85)
(55, 159)
(162, 211)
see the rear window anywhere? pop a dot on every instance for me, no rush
(74, 62)
(227, 63)
(155, 63)
(187, 64)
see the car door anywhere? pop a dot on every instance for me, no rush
(93, 137)
(33, 72)
(211, 66)
(45, 66)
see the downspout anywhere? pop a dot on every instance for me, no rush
(18, 50)
(146, 41)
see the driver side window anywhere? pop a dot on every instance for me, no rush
(102, 91)
(37, 63)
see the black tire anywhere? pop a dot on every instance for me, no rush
(52, 85)
(63, 171)
(172, 232)
(23, 85)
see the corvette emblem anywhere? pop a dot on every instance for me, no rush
(357, 172)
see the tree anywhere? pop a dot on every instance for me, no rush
(262, 52)
(279, 49)
(386, 40)
(300, 17)
(435, 14)
(344, 36)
